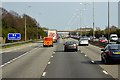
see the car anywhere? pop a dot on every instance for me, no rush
(118, 41)
(113, 37)
(70, 45)
(83, 41)
(103, 40)
(110, 53)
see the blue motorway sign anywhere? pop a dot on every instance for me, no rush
(14, 36)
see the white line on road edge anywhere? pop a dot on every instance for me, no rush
(16, 58)
(44, 73)
(51, 56)
(85, 55)
(105, 72)
(49, 62)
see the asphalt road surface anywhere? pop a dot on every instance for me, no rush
(72, 65)
(53, 63)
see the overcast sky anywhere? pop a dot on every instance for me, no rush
(66, 15)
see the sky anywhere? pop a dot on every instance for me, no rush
(66, 15)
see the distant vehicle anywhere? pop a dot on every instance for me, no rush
(103, 40)
(110, 53)
(70, 45)
(113, 37)
(118, 41)
(48, 41)
(53, 33)
(83, 41)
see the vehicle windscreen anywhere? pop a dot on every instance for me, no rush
(114, 47)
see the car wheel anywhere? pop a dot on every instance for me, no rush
(65, 50)
(106, 60)
(102, 60)
(51, 45)
(76, 50)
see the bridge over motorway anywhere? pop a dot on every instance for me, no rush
(78, 30)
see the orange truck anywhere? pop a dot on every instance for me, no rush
(48, 41)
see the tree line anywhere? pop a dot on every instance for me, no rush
(12, 22)
(99, 33)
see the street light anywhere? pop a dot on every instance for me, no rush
(85, 18)
(26, 26)
(81, 21)
(93, 21)
(108, 22)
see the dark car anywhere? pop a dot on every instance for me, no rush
(111, 53)
(70, 46)
(118, 41)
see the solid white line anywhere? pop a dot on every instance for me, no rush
(44, 73)
(105, 72)
(16, 58)
(49, 62)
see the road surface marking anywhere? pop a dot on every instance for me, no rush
(51, 56)
(81, 51)
(49, 62)
(105, 72)
(85, 55)
(53, 52)
(92, 61)
(16, 58)
(44, 73)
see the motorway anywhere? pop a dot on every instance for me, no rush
(38, 62)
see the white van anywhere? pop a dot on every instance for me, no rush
(113, 37)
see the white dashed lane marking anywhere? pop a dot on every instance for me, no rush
(44, 73)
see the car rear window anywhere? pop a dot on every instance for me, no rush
(70, 43)
(48, 39)
(84, 39)
(102, 38)
(114, 36)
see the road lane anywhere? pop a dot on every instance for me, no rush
(7, 56)
(94, 54)
(72, 65)
(31, 65)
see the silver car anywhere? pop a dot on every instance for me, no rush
(83, 41)
(70, 46)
